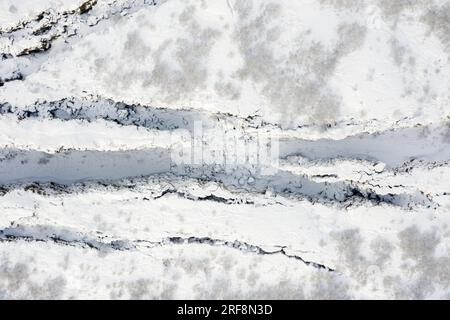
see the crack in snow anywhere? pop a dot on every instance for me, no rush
(67, 237)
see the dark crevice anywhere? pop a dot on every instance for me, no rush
(87, 6)
(242, 246)
(93, 108)
(108, 110)
(210, 197)
(43, 46)
(284, 184)
(14, 77)
(70, 238)
(49, 25)
(52, 17)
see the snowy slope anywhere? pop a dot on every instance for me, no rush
(216, 149)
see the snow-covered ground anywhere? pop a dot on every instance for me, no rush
(193, 149)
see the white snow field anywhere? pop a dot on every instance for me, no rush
(224, 149)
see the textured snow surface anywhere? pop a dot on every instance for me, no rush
(98, 104)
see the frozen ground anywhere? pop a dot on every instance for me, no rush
(324, 136)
